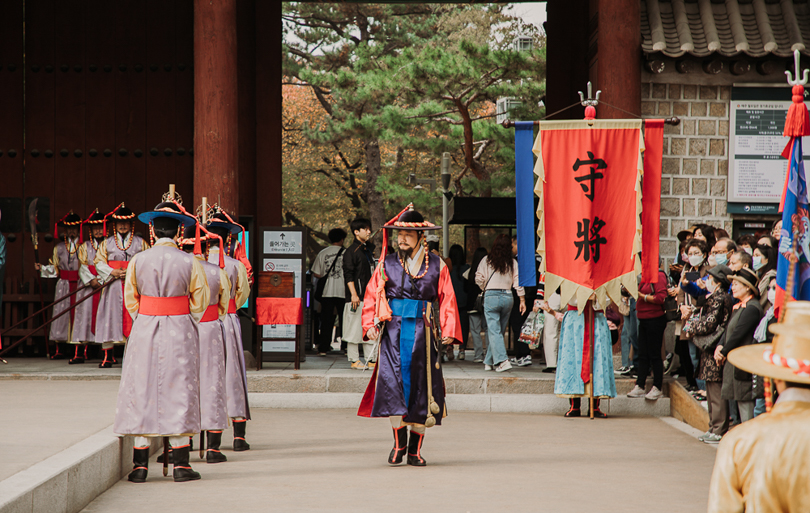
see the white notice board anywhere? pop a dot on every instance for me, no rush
(283, 242)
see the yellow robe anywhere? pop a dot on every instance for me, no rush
(763, 465)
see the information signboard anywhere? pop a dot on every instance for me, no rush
(756, 167)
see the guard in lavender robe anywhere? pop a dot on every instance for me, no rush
(166, 294)
(112, 258)
(235, 375)
(64, 264)
(84, 322)
(213, 410)
(409, 282)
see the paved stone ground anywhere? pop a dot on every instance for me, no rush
(42, 418)
(331, 460)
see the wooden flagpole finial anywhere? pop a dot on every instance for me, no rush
(204, 210)
(171, 191)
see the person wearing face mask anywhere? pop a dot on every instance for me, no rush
(764, 263)
(713, 316)
(722, 251)
(695, 269)
(763, 335)
(747, 243)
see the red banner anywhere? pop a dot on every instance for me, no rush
(591, 201)
(651, 211)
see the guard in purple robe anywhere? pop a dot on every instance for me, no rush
(407, 385)
(213, 410)
(235, 375)
(166, 294)
(64, 264)
(112, 258)
(84, 323)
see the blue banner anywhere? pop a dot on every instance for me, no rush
(524, 197)
(795, 225)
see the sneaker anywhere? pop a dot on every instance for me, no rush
(371, 365)
(478, 360)
(704, 435)
(629, 372)
(621, 370)
(636, 392)
(711, 438)
(503, 366)
(461, 355)
(550, 370)
(523, 362)
(668, 361)
(654, 394)
(358, 365)
(487, 367)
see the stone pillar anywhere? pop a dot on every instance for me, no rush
(215, 104)
(619, 58)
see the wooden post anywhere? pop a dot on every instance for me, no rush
(215, 103)
(619, 58)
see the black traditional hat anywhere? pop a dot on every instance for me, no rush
(220, 223)
(119, 213)
(95, 218)
(410, 220)
(69, 219)
(168, 210)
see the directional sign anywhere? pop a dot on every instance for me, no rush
(283, 243)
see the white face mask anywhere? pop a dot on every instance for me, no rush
(758, 263)
(695, 260)
(711, 286)
(749, 251)
(772, 296)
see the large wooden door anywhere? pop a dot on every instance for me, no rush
(97, 108)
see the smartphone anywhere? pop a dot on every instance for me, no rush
(692, 276)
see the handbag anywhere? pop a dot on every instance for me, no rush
(478, 304)
(322, 281)
(706, 342)
(670, 306)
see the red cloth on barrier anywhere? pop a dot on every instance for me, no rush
(651, 194)
(127, 319)
(279, 310)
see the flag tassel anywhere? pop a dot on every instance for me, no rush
(797, 123)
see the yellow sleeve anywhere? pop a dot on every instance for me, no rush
(224, 293)
(725, 490)
(81, 254)
(242, 286)
(101, 253)
(198, 292)
(55, 259)
(132, 298)
(145, 245)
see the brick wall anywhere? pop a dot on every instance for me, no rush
(693, 185)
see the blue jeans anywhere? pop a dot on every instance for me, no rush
(630, 337)
(759, 407)
(695, 357)
(497, 309)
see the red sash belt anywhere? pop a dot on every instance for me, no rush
(587, 343)
(72, 277)
(127, 320)
(231, 306)
(211, 314)
(159, 306)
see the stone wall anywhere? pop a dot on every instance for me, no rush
(693, 185)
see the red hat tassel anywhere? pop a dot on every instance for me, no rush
(797, 122)
(56, 226)
(221, 249)
(108, 215)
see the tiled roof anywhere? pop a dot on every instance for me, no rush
(756, 28)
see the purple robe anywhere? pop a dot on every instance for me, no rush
(83, 319)
(399, 384)
(61, 328)
(213, 412)
(235, 375)
(110, 316)
(159, 394)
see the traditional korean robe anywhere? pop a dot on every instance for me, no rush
(159, 393)
(235, 375)
(111, 324)
(398, 385)
(213, 409)
(569, 380)
(84, 323)
(64, 264)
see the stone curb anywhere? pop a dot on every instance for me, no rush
(69, 480)
(494, 403)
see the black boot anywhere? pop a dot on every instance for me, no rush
(107, 362)
(171, 458)
(415, 449)
(597, 413)
(140, 465)
(182, 470)
(239, 443)
(60, 351)
(574, 411)
(213, 454)
(400, 445)
(76, 357)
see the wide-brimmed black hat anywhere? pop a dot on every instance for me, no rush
(95, 218)
(170, 210)
(721, 274)
(411, 220)
(70, 219)
(747, 278)
(219, 223)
